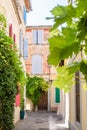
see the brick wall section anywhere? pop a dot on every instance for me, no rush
(42, 49)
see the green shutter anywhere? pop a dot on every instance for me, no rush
(57, 95)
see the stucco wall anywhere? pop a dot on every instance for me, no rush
(7, 9)
(83, 109)
(29, 105)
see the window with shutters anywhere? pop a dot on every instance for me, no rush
(36, 64)
(37, 36)
(77, 92)
(57, 95)
(25, 48)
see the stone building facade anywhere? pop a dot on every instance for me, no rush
(15, 13)
(36, 63)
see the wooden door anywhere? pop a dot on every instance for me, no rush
(43, 103)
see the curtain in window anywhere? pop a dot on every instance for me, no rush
(36, 64)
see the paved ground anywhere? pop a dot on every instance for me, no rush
(41, 121)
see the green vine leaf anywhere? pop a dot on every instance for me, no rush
(70, 40)
(81, 7)
(83, 68)
(63, 14)
(73, 67)
(64, 79)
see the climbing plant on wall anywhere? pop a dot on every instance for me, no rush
(11, 73)
(68, 40)
(34, 87)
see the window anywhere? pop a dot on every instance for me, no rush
(57, 95)
(36, 64)
(77, 85)
(25, 48)
(37, 36)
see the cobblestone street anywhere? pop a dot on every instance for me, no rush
(41, 121)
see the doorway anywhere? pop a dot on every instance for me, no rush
(43, 103)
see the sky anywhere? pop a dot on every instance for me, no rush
(40, 10)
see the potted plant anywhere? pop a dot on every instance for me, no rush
(22, 111)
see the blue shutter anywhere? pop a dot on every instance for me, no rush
(21, 43)
(34, 36)
(36, 64)
(39, 64)
(25, 48)
(57, 95)
(24, 14)
(39, 36)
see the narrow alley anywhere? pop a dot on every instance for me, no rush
(41, 121)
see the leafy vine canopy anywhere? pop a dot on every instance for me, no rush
(34, 88)
(68, 39)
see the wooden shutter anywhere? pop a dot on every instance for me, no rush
(17, 101)
(14, 38)
(35, 37)
(10, 30)
(24, 13)
(39, 36)
(57, 95)
(21, 43)
(36, 64)
(25, 48)
(77, 91)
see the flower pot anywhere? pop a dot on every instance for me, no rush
(22, 114)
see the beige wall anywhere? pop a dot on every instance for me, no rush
(53, 104)
(8, 10)
(16, 114)
(83, 109)
(29, 105)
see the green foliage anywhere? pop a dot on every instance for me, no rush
(70, 40)
(35, 85)
(64, 79)
(22, 104)
(11, 73)
(83, 68)
(74, 67)
(2, 22)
